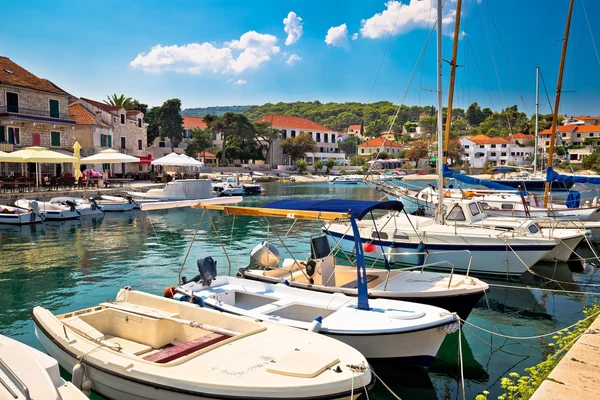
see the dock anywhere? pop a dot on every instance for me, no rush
(577, 375)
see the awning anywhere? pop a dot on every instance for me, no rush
(146, 159)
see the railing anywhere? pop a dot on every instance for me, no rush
(15, 379)
(129, 152)
(30, 111)
(6, 147)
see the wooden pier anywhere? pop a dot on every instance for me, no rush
(577, 375)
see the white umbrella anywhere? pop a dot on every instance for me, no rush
(193, 161)
(109, 156)
(173, 159)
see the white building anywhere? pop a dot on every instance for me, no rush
(481, 148)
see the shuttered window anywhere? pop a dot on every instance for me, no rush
(54, 109)
(2, 134)
(102, 140)
(109, 140)
(55, 139)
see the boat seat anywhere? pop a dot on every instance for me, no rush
(80, 325)
(289, 267)
(128, 345)
(354, 284)
(181, 350)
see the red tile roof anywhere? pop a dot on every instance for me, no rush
(103, 106)
(378, 142)
(193, 122)
(560, 128)
(131, 112)
(13, 74)
(206, 154)
(520, 135)
(588, 128)
(83, 116)
(483, 139)
(586, 117)
(288, 122)
(354, 128)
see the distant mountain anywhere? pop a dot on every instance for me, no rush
(216, 110)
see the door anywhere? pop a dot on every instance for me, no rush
(36, 139)
(123, 143)
(12, 102)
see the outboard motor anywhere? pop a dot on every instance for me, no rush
(419, 212)
(264, 256)
(71, 205)
(34, 209)
(129, 199)
(93, 204)
(207, 267)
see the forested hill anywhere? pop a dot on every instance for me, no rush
(216, 110)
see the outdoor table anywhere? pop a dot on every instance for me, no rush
(116, 181)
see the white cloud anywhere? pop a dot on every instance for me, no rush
(293, 27)
(239, 82)
(252, 49)
(292, 59)
(414, 15)
(338, 36)
(354, 36)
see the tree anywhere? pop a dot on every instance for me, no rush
(349, 145)
(153, 130)
(455, 152)
(460, 124)
(266, 135)
(329, 164)
(428, 124)
(383, 155)
(301, 166)
(357, 161)
(297, 147)
(419, 150)
(121, 100)
(474, 116)
(201, 140)
(137, 105)
(232, 125)
(318, 165)
(170, 122)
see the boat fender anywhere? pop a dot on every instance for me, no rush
(198, 301)
(86, 387)
(286, 283)
(316, 325)
(368, 247)
(420, 254)
(77, 376)
(169, 292)
(311, 267)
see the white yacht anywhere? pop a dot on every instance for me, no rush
(345, 180)
(21, 216)
(183, 189)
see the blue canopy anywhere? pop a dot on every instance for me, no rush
(503, 170)
(552, 175)
(448, 173)
(357, 208)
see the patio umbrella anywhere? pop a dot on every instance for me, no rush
(36, 155)
(77, 164)
(110, 156)
(193, 161)
(174, 159)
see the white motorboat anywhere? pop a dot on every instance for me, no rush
(252, 188)
(20, 216)
(143, 346)
(183, 189)
(27, 373)
(345, 180)
(86, 208)
(52, 212)
(227, 188)
(407, 333)
(116, 203)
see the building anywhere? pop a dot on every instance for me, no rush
(162, 146)
(581, 120)
(388, 135)
(128, 133)
(208, 158)
(33, 112)
(371, 147)
(354, 130)
(480, 149)
(521, 138)
(325, 138)
(579, 137)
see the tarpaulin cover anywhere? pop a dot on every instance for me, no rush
(357, 208)
(448, 173)
(552, 175)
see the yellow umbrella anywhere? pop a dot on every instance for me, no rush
(77, 164)
(36, 155)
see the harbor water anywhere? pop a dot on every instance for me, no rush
(76, 264)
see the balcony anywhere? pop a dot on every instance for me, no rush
(35, 115)
(6, 147)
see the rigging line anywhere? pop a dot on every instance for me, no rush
(590, 29)
(421, 66)
(495, 68)
(487, 3)
(383, 57)
(481, 74)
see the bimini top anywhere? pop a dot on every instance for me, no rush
(357, 208)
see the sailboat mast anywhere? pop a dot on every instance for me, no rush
(557, 100)
(537, 115)
(452, 79)
(440, 138)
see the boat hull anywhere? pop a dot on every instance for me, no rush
(117, 207)
(19, 219)
(564, 250)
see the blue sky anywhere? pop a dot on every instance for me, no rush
(232, 52)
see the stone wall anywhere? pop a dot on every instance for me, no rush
(33, 99)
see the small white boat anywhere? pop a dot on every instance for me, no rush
(86, 208)
(116, 203)
(345, 180)
(182, 189)
(143, 346)
(52, 212)
(228, 187)
(20, 216)
(252, 188)
(27, 373)
(408, 333)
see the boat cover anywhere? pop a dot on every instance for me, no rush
(448, 173)
(357, 208)
(552, 175)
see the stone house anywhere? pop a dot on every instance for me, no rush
(33, 112)
(371, 147)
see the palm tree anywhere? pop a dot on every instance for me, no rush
(121, 100)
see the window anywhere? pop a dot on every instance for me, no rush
(139, 124)
(456, 214)
(466, 146)
(579, 135)
(379, 235)
(504, 145)
(492, 154)
(564, 134)
(325, 137)
(493, 146)
(506, 206)
(293, 133)
(14, 135)
(533, 228)
(592, 134)
(333, 138)
(481, 146)
(139, 144)
(55, 139)
(474, 209)
(12, 102)
(512, 154)
(547, 143)
(362, 151)
(161, 144)
(503, 154)
(102, 140)
(377, 150)
(54, 109)
(2, 134)
(123, 143)
(283, 134)
(321, 149)
(123, 119)
(318, 137)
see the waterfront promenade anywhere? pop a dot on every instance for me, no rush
(577, 375)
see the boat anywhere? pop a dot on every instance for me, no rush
(229, 187)
(252, 188)
(525, 181)
(345, 180)
(146, 347)
(451, 291)
(407, 333)
(86, 208)
(20, 216)
(116, 203)
(52, 212)
(182, 189)
(27, 373)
